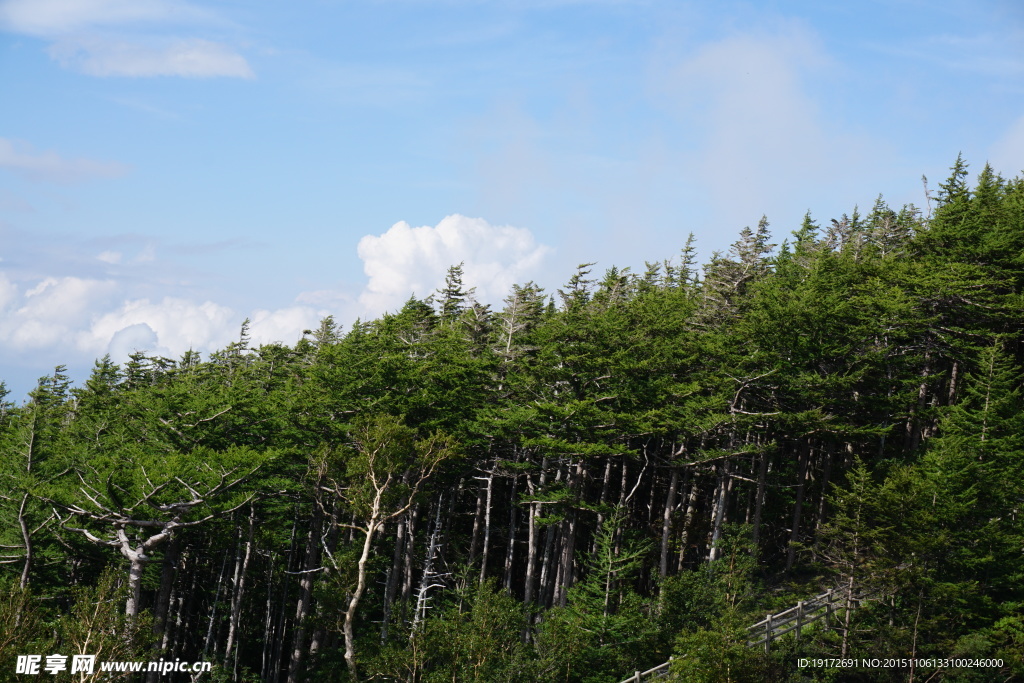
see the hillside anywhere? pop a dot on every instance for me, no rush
(571, 488)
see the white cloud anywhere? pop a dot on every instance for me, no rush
(137, 337)
(64, 299)
(192, 57)
(174, 326)
(406, 260)
(76, 320)
(56, 17)
(20, 157)
(285, 325)
(48, 313)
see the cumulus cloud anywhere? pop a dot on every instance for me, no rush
(191, 58)
(407, 260)
(137, 337)
(76, 320)
(64, 298)
(284, 325)
(48, 313)
(172, 326)
(21, 158)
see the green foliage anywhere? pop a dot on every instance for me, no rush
(22, 628)
(97, 625)
(481, 643)
(719, 654)
(606, 628)
(853, 398)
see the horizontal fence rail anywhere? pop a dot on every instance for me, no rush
(806, 612)
(660, 671)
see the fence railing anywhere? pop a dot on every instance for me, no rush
(805, 612)
(660, 671)
(773, 626)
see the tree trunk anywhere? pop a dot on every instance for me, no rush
(914, 427)
(282, 609)
(239, 590)
(429, 575)
(162, 608)
(547, 586)
(605, 485)
(268, 622)
(478, 516)
(348, 628)
(513, 521)
(567, 565)
(409, 559)
(487, 524)
(391, 583)
(666, 522)
(691, 511)
(762, 480)
(172, 600)
(794, 534)
(26, 538)
(820, 520)
(304, 605)
(531, 557)
(136, 564)
(211, 628)
(718, 515)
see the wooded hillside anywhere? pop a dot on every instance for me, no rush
(570, 488)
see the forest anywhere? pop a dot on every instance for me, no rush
(573, 488)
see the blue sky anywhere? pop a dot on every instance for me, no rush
(169, 168)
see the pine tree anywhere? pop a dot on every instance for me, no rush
(451, 300)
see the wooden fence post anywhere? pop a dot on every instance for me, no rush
(768, 634)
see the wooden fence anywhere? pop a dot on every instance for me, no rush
(796, 618)
(761, 634)
(660, 671)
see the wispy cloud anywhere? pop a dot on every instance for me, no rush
(48, 18)
(364, 84)
(21, 158)
(111, 257)
(764, 128)
(190, 58)
(81, 37)
(986, 54)
(1007, 154)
